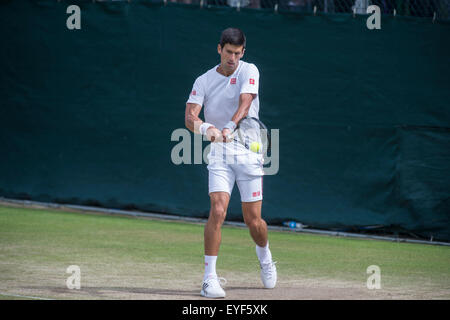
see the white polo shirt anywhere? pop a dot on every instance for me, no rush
(219, 95)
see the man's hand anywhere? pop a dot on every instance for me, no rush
(225, 133)
(214, 135)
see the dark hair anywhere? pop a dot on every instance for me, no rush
(232, 36)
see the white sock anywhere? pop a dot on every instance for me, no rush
(264, 254)
(210, 266)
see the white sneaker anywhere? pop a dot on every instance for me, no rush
(211, 287)
(269, 274)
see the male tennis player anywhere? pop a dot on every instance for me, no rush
(229, 92)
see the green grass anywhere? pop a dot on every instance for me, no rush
(33, 239)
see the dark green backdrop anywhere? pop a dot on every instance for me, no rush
(364, 117)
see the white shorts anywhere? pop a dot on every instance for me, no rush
(248, 176)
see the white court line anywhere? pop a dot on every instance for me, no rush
(20, 296)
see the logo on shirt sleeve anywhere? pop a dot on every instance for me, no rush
(233, 81)
(194, 92)
(252, 81)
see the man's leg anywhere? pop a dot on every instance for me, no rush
(217, 214)
(254, 222)
(221, 180)
(212, 237)
(251, 190)
(258, 231)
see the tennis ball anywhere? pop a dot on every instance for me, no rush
(255, 146)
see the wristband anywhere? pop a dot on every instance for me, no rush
(230, 125)
(203, 127)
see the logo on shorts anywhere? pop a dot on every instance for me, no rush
(194, 92)
(233, 81)
(256, 194)
(252, 81)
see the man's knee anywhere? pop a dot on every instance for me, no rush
(218, 210)
(254, 223)
(217, 214)
(219, 206)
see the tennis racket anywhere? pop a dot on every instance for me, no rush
(253, 135)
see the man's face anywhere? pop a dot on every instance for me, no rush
(230, 56)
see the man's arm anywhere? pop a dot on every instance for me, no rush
(191, 119)
(245, 101)
(193, 122)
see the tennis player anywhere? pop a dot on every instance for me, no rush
(229, 92)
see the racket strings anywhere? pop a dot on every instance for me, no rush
(250, 131)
